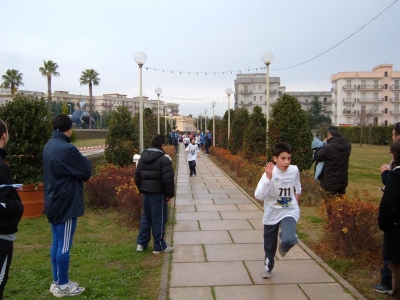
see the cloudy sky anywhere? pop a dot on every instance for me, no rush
(194, 36)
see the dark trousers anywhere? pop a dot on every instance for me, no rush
(288, 237)
(6, 251)
(192, 167)
(176, 148)
(208, 148)
(386, 274)
(154, 220)
(395, 268)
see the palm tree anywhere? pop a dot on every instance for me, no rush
(90, 77)
(49, 69)
(12, 79)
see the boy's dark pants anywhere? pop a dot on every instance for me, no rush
(288, 237)
(6, 251)
(192, 167)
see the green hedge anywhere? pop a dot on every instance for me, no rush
(375, 135)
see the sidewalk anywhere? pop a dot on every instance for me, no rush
(218, 247)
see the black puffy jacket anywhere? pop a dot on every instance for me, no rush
(389, 217)
(155, 174)
(64, 170)
(11, 207)
(336, 155)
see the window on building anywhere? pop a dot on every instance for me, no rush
(363, 109)
(396, 119)
(348, 83)
(348, 96)
(325, 100)
(375, 95)
(396, 108)
(255, 98)
(386, 98)
(348, 120)
(386, 86)
(260, 98)
(386, 110)
(396, 84)
(375, 83)
(396, 96)
(386, 74)
(386, 123)
(254, 87)
(363, 96)
(259, 87)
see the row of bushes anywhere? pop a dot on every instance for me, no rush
(374, 135)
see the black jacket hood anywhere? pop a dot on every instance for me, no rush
(150, 155)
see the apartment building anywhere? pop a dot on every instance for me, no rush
(5, 94)
(372, 96)
(250, 91)
(185, 123)
(109, 102)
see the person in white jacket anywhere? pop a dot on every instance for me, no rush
(280, 189)
(193, 152)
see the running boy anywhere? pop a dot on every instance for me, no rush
(193, 150)
(280, 189)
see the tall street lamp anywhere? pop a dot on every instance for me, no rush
(200, 115)
(267, 57)
(140, 59)
(229, 92)
(205, 119)
(170, 120)
(158, 92)
(166, 110)
(213, 105)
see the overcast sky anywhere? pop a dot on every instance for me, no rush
(195, 35)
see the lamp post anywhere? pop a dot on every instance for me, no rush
(267, 57)
(205, 119)
(200, 115)
(69, 108)
(213, 105)
(170, 120)
(140, 59)
(158, 92)
(166, 110)
(229, 91)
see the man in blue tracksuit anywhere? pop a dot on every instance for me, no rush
(64, 170)
(174, 140)
(154, 177)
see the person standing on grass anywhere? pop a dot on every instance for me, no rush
(385, 286)
(64, 170)
(11, 210)
(174, 140)
(193, 150)
(389, 219)
(154, 177)
(280, 189)
(335, 154)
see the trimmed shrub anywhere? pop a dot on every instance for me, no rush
(352, 227)
(289, 123)
(239, 123)
(255, 135)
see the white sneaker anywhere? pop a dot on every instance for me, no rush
(139, 248)
(71, 290)
(166, 250)
(266, 274)
(54, 285)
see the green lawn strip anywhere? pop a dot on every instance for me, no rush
(103, 259)
(89, 143)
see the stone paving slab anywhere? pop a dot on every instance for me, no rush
(290, 271)
(192, 293)
(209, 274)
(221, 190)
(186, 226)
(188, 253)
(326, 291)
(188, 191)
(184, 197)
(209, 215)
(247, 207)
(247, 215)
(201, 237)
(257, 224)
(295, 253)
(214, 207)
(231, 201)
(194, 202)
(247, 236)
(210, 196)
(225, 225)
(185, 208)
(278, 292)
(235, 252)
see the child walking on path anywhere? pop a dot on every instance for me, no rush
(193, 150)
(280, 189)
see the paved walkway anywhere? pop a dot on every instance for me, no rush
(218, 247)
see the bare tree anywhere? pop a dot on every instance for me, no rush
(364, 117)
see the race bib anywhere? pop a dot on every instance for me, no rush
(282, 189)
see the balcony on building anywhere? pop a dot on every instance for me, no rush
(347, 112)
(349, 100)
(349, 87)
(370, 87)
(395, 99)
(395, 87)
(395, 112)
(246, 92)
(244, 103)
(374, 99)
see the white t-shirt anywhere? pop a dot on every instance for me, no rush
(186, 140)
(192, 151)
(279, 195)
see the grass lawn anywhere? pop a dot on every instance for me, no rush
(364, 176)
(103, 259)
(89, 143)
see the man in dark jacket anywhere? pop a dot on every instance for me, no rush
(174, 140)
(335, 154)
(11, 210)
(154, 177)
(64, 170)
